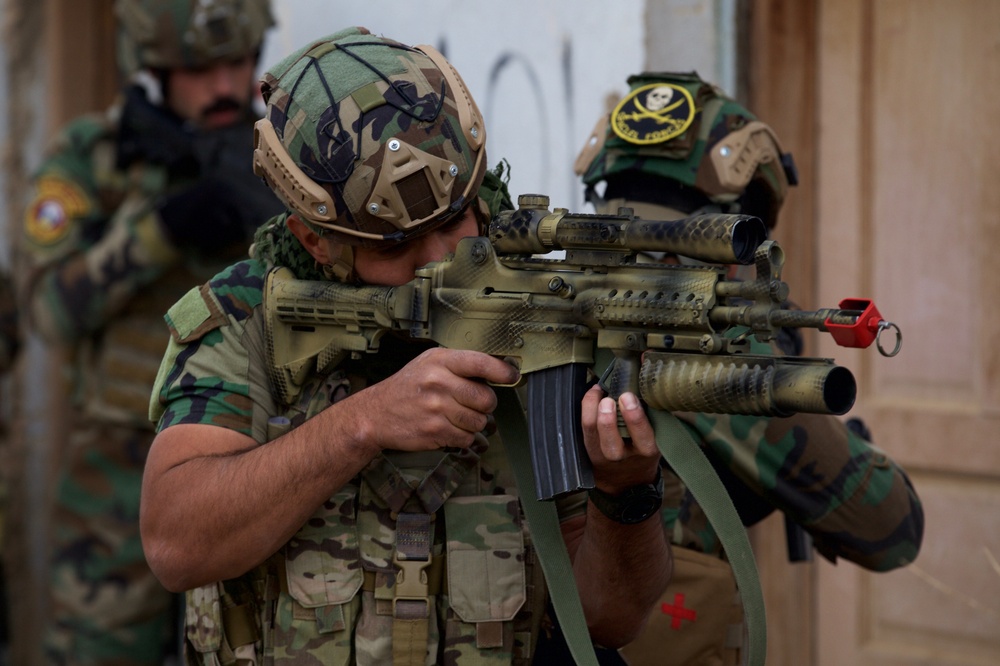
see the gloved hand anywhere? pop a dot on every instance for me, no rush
(224, 203)
(154, 134)
(209, 217)
(228, 202)
(227, 154)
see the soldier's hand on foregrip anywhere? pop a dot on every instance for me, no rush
(619, 463)
(207, 217)
(437, 400)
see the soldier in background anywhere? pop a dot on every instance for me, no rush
(114, 233)
(702, 152)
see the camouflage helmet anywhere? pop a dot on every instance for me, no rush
(160, 34)
(679, 142)
(370, 139)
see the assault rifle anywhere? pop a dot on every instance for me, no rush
(677, 336)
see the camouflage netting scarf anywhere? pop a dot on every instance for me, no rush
(494, 190)
(275, 245)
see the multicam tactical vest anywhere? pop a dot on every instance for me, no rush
(424, 558)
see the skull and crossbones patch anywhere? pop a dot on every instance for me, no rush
(653, 113)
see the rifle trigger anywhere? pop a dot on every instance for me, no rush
(516, 362)
(605, 377)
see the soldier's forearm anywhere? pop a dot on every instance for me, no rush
(241, 502)
(620, 570)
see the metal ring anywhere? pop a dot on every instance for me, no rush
(883, 325)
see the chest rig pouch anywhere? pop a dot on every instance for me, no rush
(420, 555)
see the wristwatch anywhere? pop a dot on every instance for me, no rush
(634, 505)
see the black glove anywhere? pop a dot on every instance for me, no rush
(210, 216)
(154, 134)
(224, 202)
(227, 154)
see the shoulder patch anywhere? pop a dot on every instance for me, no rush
(194, 315)
(57, 201)
(653, 113)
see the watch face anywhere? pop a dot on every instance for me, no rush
(640, 508)
(635, 505)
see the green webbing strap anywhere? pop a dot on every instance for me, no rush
(689, 462)
(545, 532)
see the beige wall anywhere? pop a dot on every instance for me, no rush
(881, 103)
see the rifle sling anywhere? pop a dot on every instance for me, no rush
(690, 463)
(545, 533)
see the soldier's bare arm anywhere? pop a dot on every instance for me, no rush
(620, 569)
(215, 503)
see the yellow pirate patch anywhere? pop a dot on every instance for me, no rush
(653, 113)
(57, 201)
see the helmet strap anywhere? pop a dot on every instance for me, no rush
(341, 268)
(153, 83)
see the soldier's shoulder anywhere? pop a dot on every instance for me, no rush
(240, 288)
(64, 187)
(228, 298)
(82, 134)
(72, 152)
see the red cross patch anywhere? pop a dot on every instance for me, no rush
(678, 612)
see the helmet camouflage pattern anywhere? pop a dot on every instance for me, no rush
(160, 34)
(373, 140)
(678, 141)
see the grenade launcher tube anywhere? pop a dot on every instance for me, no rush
(745, 384)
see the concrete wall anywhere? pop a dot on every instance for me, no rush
(540, 70)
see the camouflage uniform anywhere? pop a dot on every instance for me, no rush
(100, 268)
(704, 151)
(332, 594)
(327, 596)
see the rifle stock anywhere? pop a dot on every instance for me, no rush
(676, 334)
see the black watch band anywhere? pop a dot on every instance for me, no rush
(633, 506)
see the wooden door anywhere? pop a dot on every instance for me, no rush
(908, 212)
(778, 60)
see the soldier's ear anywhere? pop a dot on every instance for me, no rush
(316, 245)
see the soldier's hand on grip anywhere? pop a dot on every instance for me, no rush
(437, 400)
